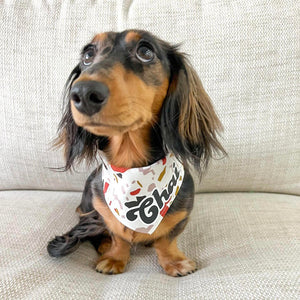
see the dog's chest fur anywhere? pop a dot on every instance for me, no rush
(168, 222)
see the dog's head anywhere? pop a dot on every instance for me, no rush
(129, 81)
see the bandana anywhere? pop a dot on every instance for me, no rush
(140, 197)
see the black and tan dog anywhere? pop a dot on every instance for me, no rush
(137, 99)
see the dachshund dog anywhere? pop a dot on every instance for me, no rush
(135, 102)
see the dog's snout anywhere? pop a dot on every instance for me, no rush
(89, 96)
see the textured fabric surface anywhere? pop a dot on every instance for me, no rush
(246, 53)
(246, 246)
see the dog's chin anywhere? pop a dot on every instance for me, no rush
(112, 129)
(105, 130)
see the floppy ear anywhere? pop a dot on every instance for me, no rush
(188, 121)
(78, 143)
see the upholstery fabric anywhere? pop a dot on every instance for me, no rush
(246, 246)
(246, 53)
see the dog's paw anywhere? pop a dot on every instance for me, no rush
(109, 265)
(180, 268)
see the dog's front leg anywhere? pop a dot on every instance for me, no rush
(174, 262)
(116, 258)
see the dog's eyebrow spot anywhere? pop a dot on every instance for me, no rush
(100, 37)
(132, 36)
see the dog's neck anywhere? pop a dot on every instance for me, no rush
(136, 148)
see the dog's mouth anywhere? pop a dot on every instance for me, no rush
(107, 129)
(108, 124)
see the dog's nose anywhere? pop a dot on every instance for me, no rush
(89, 96)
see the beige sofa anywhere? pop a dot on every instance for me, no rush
(244, 232)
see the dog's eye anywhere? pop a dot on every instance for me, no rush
(144, 53)
(88, 57)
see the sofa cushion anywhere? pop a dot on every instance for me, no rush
(246, 54)
(246, 246)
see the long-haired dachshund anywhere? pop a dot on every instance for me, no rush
(137, 101)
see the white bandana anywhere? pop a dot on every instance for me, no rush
(140, 197)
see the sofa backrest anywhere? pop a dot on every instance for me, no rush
(245, 52)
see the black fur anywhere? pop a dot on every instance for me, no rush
(90, 226)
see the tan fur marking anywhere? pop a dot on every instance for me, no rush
(132, 36)
(130, 149)
(159, 98)
(100, 37)
(105, 245)
(166, 225)
(115, 259)
(174, 262)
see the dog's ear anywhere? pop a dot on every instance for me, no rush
(78, 143)
(188, 121)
